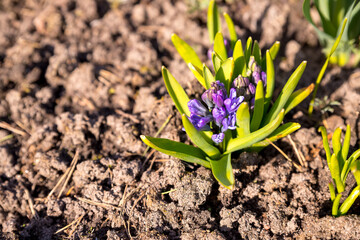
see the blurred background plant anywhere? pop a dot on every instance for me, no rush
(332, 13)
(340, 166)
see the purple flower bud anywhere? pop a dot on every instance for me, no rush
(219, 114)
(256, 77)
(252, 88)
(263, 78)
(252, 103)
(200, 123)
(241, 82)
(207, 98)
(218, 98)
(218, 138)
(251, 63)
(225, 125)
(232, 121)
(197, 108)
(232, 103)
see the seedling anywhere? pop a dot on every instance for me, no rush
(332, 13)
(340, 166)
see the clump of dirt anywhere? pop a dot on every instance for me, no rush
(81, 80)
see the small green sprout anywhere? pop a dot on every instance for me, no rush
(325, 105)
(332, 13)
(236, 112)
(340, 166)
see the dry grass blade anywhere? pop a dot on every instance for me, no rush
(31, 203)
(284, 154)
(57, 184)
(72, 168)
(7, 137)
(69, 225)
(298, 153)
(12, 129)
(100, 204)
(22, 126)
(77, 224)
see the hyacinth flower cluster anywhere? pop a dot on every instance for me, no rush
(237, 111)
(340, 166)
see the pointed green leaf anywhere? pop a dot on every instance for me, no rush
(243, 120)
(256, 52)
(336, 144)
(322, 71)
(258, 107)
(199, 140)
(177, 149)
(297, 97)
(198, 73)
(335, 173)
(219, 46)
(248, 50)
(225, 73)
(216, 61)
(349, 201)
(335, 206)
(332, 191)
(207, 136)
(208, 77)
(274, 50)
(213, 20)
(254, 137)
(239, 59)
(285, 93)
(325, 143)
(232, 32)
(351, 164)
(280, 132)
(176, 92)
(346, 143)
(186, 52)
(222, 171)
(270, 80)
(355, 169)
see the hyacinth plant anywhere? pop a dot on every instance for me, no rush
(340, 166)
(235, 112)
(332, 13)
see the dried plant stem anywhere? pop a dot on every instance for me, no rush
(298, 153)
(31, 203)
(72, 168)
(72, 223)
(12, 129)
(284, 154)
(100, 204)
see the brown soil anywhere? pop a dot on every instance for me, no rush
(85, 76)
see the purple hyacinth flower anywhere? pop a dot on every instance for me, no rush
(200, 123)
(232, 103)
(219, 114)
(241, 82)
(218, 98)
(218, 138)
(207, 98)
(197, 108)
(252, 103)
(263, 78)
(256, 77)
(225, 125)
(232, 121)
(252, 88)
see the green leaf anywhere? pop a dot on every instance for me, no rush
(216, 61)
(198, 73)
(176, 92)
(280, 132)
(258, 107)
(243, 120)
(325, 144)
(336, 144)
(350, 164)
(225, 73)
(274, 50)
(335, 173)
(346, 143)
(270, 80)
(232, 32)
(177, 149)
(256, 52)
(199, 140)
(355, 169)
(248, 49)
(335, 206)
(254, 137)
(213, 20)
(208, 77)
(239, 59)
(222, 171)
(186, 52)
(219, 46)
(285, 93)
(297, 97)
(349, 201)
(332, 191)
(322, 71)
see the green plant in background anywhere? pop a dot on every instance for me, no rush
(332, 13)
(236, 112)
(340, 166)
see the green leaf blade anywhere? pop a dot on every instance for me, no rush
(219, 46)
(258, 107)
(186, 52)
(231, 27)
(213, 20)
(225, 73)
(243, 120)
(222, 171)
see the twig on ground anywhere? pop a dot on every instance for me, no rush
(22, 126)
(284, 154)
(7, 126)
(72, 168)
(298, 153)
(100, 204)
(69, 225)
(31, 203)
(77, 224)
